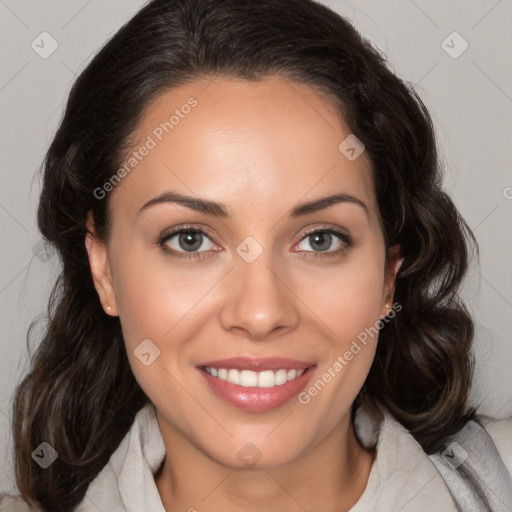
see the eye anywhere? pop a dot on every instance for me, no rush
(185, 240)
(324, 240)
(190, 242)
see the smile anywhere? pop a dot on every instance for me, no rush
(256, 384)
(248, 378)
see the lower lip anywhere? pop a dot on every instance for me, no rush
(254, 398)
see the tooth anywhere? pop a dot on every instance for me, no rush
(281, 377)
(248, 378)
(233, 376)
(266, 379)
(292, 374)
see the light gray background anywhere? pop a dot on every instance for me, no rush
(470, 98)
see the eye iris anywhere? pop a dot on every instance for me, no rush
(190, 241)
(323, 239)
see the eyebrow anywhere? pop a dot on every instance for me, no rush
(219, 210)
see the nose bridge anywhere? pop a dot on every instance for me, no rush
(258, 301)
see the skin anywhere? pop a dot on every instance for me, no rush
(259, 148)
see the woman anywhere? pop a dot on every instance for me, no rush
(259, 292)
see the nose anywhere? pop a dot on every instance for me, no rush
(259, 302)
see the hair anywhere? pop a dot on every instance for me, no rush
(80, 395)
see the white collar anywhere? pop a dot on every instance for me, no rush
(402, 476)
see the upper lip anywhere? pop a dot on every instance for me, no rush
(258, 363)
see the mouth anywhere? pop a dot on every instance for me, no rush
(256, 384)
(250, 379)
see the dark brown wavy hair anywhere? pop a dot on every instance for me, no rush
(80, 394)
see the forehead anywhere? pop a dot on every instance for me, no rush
(261, 145)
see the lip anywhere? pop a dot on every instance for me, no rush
(255, 399)
(258, 364)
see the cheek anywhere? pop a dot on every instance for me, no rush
(156, 302)
(358, 301)
(346, 297)
(152, 294)
(165, 302)
(349, 303)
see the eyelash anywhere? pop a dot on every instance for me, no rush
(344, 238)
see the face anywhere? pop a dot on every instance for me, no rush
(266, 285)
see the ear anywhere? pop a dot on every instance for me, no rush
(393, 263)
(100, 268)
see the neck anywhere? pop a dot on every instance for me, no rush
(339, 466)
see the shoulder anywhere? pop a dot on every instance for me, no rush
(500, 431)
(474, 466)
(14, 503)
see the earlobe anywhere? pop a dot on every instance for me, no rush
(100, 268)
